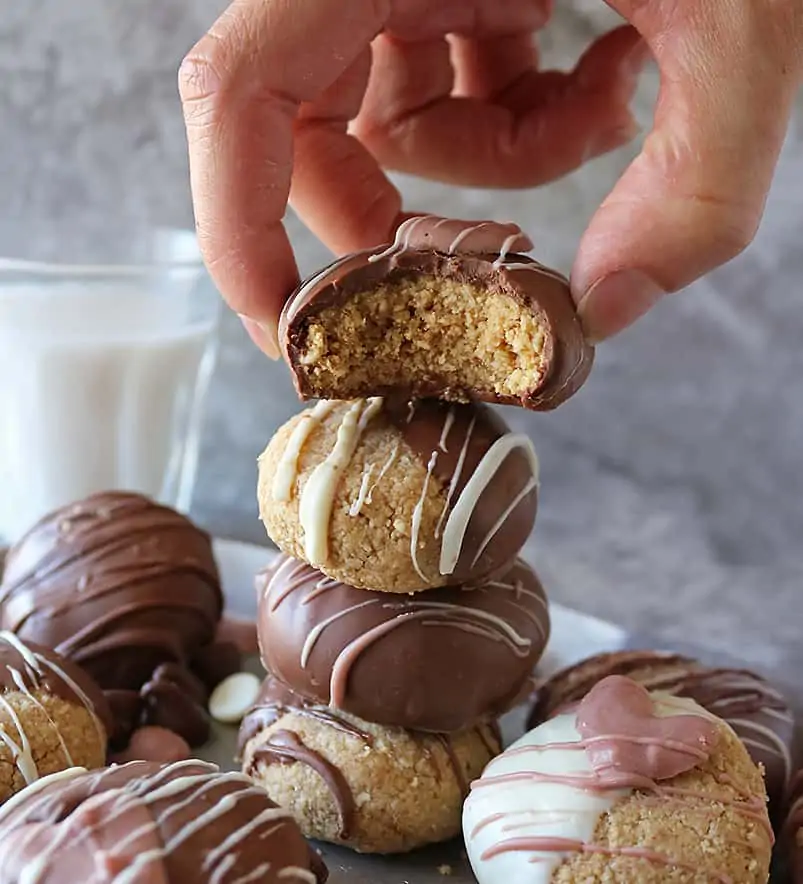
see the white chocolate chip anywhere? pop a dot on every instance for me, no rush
(233, 697)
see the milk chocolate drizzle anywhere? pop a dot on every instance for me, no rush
(285, 746)
(142, 821)
(292, 576)
(627, 747)
(92, 578)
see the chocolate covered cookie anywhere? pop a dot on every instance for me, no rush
(627, 787)
(171, 824)
(121, 586)
(442, 661)
(451, 310)
(757, 711)
(52, 716)
(116, 583)
(399, 496)
(372, 788)
(792, 840)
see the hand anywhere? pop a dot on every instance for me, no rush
(283, 101)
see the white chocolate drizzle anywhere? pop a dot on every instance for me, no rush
(531, 485)
(287, 468)
(418, 512)
(38, 668)
(457, 522)
(317, 498)
(447, 426)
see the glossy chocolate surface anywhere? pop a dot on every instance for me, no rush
(441, 661)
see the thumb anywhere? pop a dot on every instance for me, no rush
(693, 198)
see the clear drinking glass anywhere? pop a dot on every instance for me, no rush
(103, 372)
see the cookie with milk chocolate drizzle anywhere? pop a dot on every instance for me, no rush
(146, 822)
(629, 786)
(321, 763)
(756, 710)
(398, 495)
(438, 661)
(451, 310)
(119, 585)
(52, 715)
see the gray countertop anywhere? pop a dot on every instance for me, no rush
(672, 483)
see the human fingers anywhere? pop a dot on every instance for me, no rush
(241, 88)
(539, 126)
(694, 196)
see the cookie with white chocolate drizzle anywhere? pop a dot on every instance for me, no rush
(147, 822)
(451, 309)
(52, 715)
(323, 764)
(630, 787)
(397, 495)
(439, 661)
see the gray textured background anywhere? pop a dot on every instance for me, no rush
(672, 484)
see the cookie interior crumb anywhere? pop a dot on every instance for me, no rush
(407, 330)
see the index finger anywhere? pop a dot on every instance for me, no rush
(241, 87)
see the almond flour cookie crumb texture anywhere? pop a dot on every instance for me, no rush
(399, 496)
(628, 788)
(372, 788)
(51, 716)
(450, 309)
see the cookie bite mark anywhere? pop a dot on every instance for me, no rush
(372, 788)
(399, 495)
(439, 661)
(757, 711)
(451, 309)
(147, 821)
(629, 786)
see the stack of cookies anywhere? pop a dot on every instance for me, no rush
(399, 622)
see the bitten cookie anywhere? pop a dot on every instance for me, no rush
(631, 788)
(52, 716)
(119, 585)
(758, 713)
(145, 822)
(440, 661)
(372, 788)
(450, 310)
(399, 496)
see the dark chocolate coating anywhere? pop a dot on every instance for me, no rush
(757, 712)
(171, 824)
(116, 583)
(440, 661)
(544, 293)
(30, 667)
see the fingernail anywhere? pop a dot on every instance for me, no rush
(616, 301)
(262, 335)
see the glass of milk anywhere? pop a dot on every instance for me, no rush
(103, 372)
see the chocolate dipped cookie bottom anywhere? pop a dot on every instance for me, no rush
(372, 788)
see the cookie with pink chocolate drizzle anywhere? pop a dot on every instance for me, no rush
(451, 309)
(629, 787)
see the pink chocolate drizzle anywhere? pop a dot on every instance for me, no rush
(622, 735)
(628, 746)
